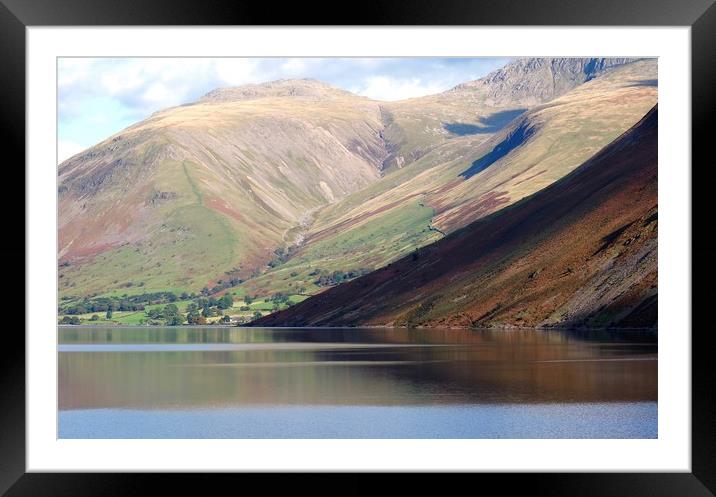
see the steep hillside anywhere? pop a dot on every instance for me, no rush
(582, 251)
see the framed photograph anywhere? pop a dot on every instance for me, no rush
(433, 240)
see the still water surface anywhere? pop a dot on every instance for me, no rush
(355, 383)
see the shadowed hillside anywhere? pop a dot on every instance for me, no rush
(581, 252)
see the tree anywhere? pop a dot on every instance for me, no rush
(225, 319)
(248, 299)
(94, 317)
(154, 313)
(175, 320)
(280, 298)
(257, 315)
(170, 310)
(226, 301)
(109, 313)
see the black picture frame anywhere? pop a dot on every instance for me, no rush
(16, 15)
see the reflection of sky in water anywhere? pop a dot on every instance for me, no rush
(435, 378)
(613, 420)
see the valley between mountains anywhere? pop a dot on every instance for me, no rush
(525, 198)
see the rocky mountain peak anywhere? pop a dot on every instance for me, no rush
(532, 81)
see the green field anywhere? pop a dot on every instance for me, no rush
(141, 317)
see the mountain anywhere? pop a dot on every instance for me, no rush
(580, 252)
(464, 178)
(282, 185)
(214, 186)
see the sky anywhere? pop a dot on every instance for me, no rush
(98, 97)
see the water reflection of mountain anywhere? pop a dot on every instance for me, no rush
(355, 366)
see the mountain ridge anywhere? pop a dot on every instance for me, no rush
(516, 81)
(303, 87)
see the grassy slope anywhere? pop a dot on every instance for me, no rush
(370, 245)
(191, 245)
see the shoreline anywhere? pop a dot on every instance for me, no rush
(492, 328)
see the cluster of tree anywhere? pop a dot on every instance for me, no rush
(197, 311)
(278, 298)
(281, 255)
(223, 302)
(222, 284)
(123, 303)
(326, 278)
(101, 305)
(203, 308)
(169, 313)
(194, 315)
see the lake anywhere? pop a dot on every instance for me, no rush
(355, 383)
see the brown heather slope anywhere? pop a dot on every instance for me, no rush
(581, 252)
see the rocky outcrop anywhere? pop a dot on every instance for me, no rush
(531, 81)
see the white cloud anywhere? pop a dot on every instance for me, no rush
(70, 71)
(387, 88)
(66, 149)
(158, 93)
(234, 72)
(294, 67)
(121, 79)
